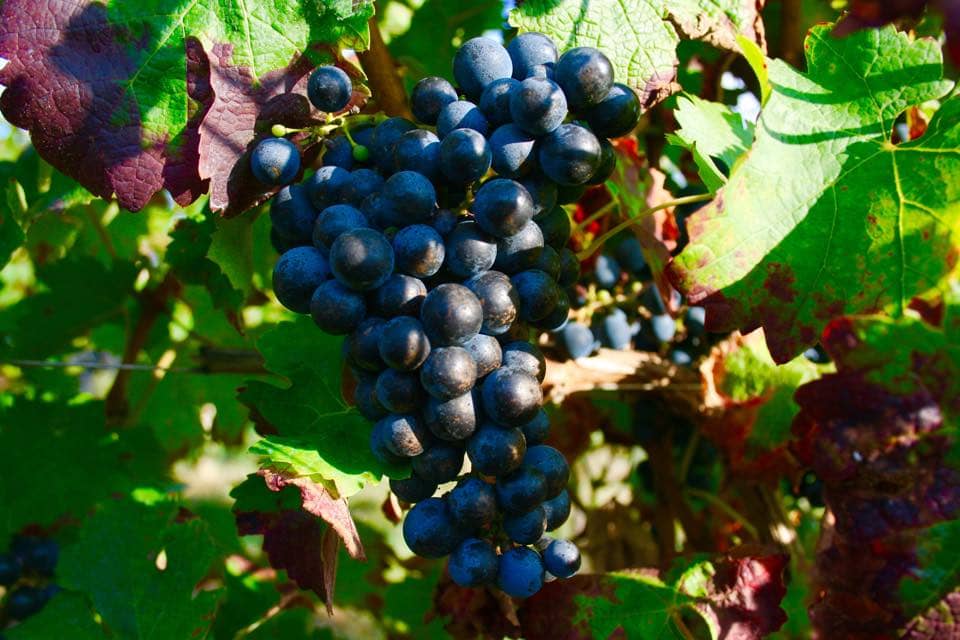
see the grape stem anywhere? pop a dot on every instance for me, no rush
(727, 509)
(599, 213)
(599, 242)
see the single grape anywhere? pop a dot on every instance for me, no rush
(569, 268)
(362, 184)
(403, 343)
(526, 528)
(578, 340)
(570, 154)
(521, 490)
(444, 221)
(400, 295)
(529, 51)
(472, 503)
(552, 465)
(512, 151)
(365, 396)
(535, 431)
(338, 152)
(329, 88)
(562, 558)
(384, 137)
(538, 293)
(495, 101)
(380, 212)
(607, 164)
(543, 192)
(465, 156)
(363, 345)
(630, 254)
(511, 397)
(681, 358)
(653, 301)
(418, 150)
(473, 564)
(556, 227)
(448, 372)
(664, 327)
(527, 358)
(606, 271)
(440, 463)
(411, 194)
(486, 353)
(452, 420)
(461, 114)
(470, 251)
(326, 185)
(538, 106)
(816, 354)
(413, 489)
(336, 309)
(429, 531)
(403, 435)
(558, 318)
(10, 568)
(521, 250)
(292, 215)
(419, 250)
(451, 314)
(23, 602)
(361, 259)
(334, 221)
(617, 114)
(430, 95)
(502, 207)
(399, 391)
(549, 263)
(585, 75)
(520, 573)
(696, 320)
(479, 62)
(617, 330)
(557, 510)
(495, 451)
(275, 161)
(297, 275)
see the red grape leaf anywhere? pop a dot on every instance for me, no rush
(114, 94)
(880, 435)
(824, 216)
(736, 596)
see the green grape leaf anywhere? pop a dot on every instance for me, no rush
(115, 94)
(641, 36)
(710, 131)
(424, 39)
(825, 216)
(231, 248)
(732, 596)
(318, 435)
(67, 610)
(81, 294)
(145, 587)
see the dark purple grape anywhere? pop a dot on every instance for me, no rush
(479, 62)
(399, 392)
(502, 207)
(495, 451)
(578, 340)
(465, 156)
(617, 330)
(429, 97)
(495, 101)
(413, 489)
(470, 250)
(400, 295)
(531, 50)
(557, 510)
(557, 318)
(512, 151)
(473, 564)
(472, 503)
(556, 228)
(385, 136)
(361, 259)
(570, 155)
(549, 263)
(521, 250)
(538, 106)
(335, 220)
(440, 463)
(498, 300)
(329, 88)
(521, 490)
(292, 215)
(411, 195)
(275, 161)
(538, 293)
(606, 271)
(402, 435)
(607, 165)
(362, 184)
(363, 345)
(365, 396)
(461, 114)
(444, 221)
(448, 372)
(429, 530)
(569, 268)
(510, 397)
(452, 420)
(325, 187)
(451, 314)
(562, 559)
(486, 353)
(585, 75)
(338, 152)
(297, 275)
(630, 254)
(520, 573)
(419, 151)
(403, 343)
(543, 192)
(418, 250)
(527, 358)
(535, 431)
(617, 114)
(526, 528)
(552, 465)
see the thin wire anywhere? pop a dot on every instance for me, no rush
(54, 364)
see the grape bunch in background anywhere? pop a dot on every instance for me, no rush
(438, 249)
(26, 570)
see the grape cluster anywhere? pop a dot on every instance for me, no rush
(629, 311)
(436, 249)
(25, 573)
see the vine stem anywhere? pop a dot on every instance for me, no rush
(382, 76)
(726, 508)
(629, 222)
(599, 213)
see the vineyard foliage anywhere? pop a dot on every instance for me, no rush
(785, 466)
